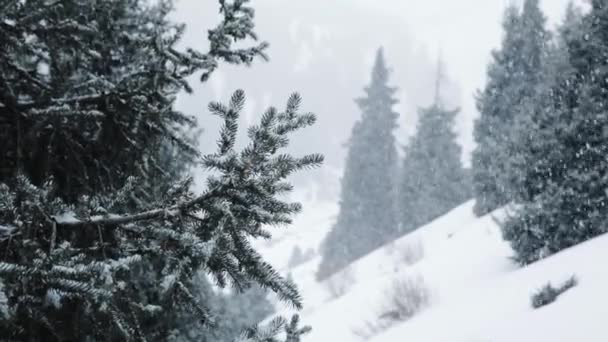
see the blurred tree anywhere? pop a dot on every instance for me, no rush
(367, 217)
(433, 178)
(513, 77)
(567, 144)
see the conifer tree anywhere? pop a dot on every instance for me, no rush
(86, 101)
(367, 217)
(433, 178)
(530, 142)
(513, 77)
(569, 146)
(298, 257)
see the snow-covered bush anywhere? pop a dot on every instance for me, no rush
(412, 252)
(548, 294)
(340, 283)
(405, 299)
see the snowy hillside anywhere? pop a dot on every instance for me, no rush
(475, 293)
(309, 229)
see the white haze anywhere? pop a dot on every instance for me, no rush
(324, 49)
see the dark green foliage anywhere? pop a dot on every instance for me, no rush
(367, 217)
(513, 77)
(101, 237)
(548, 294)
(237, 312)
(565, 159)
(433, 178)
(233, 313)
(267, 334)
(87, 84)
(92, 254)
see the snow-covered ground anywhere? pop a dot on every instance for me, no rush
(308, 230)
(476, 293)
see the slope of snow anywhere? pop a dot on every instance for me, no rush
(476, 293)
(498, 309)
(307, 231)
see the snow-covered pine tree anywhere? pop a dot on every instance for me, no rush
(532, 134)
(570, 29)
(570, 143)
(433, 178)
(173, 164)
(86, 100)
(513, 77)
(367, 217)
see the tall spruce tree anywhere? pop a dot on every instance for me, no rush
(86, 102)
(433, 178)
(532, 135)
(570, 140)
(513, 77)
(367, 217)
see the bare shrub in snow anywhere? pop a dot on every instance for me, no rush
(412, 252)
(405, 299)
(548, 294)
(369, 329)
(340, 283)
(408, 254)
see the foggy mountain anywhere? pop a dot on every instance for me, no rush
(323, 49)
(366, 170)
(323, 52)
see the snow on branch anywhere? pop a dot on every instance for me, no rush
(69, 221)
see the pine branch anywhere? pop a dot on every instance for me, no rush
(143, 216)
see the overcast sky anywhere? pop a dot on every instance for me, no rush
(324, 50)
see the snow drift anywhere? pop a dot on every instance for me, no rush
(475, 293)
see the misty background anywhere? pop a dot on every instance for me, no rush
(322, 50)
